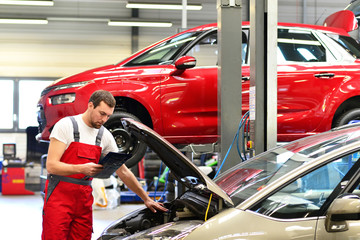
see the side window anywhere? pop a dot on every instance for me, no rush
(304, 197)
(299, 46)
(205, 51)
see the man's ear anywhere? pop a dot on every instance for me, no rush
(90, 105)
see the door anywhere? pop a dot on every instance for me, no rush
(307, 75)
(189, 100)
(296, 211)
(354, 224)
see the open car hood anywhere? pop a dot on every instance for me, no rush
(181, 167)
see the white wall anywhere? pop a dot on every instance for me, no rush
(63, 48)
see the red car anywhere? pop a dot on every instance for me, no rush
(171, 86)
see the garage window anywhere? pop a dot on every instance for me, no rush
(19, 97)
(28, 101)
(7, 99)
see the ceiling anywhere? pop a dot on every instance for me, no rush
(77, 36)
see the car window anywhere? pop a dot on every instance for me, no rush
(206, 50)
(164, 52)
(348, 43)
(304, 197)
(299, 46)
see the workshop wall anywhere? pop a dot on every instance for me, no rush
(65, 47)
(68, 46)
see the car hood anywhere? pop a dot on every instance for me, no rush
(181, 167)
(87, 75)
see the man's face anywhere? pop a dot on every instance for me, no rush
(100, 114)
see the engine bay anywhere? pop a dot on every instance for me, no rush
(192, 205)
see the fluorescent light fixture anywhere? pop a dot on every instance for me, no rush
(168, 6)
(77, 19)
(22, 21)
(28, 2)
(139, 24)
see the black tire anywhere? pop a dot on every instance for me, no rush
(348, 116)
(125, 141)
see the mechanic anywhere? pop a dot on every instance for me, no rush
(76, 144)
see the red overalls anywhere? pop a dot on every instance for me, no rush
(67, 212)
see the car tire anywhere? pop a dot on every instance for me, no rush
(126, 142)
(347, 117)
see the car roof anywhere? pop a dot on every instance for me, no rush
(280, 24)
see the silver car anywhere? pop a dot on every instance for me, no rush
(307, 189)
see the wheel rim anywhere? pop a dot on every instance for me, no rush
(123, 140)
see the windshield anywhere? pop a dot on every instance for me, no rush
(247, 178)
(348, 43)
(165, 52)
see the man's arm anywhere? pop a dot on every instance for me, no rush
(131, 182)
(54, 166)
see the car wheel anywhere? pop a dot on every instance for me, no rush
(126, 142)
(348, 117)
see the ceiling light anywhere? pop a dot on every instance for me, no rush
(168, 6)
(28, 2)
(22, 21)
(139, 24)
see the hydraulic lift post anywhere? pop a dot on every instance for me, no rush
(263, 74)
(229, 77)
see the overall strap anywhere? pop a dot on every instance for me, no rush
(99, 136)
(77, 134)
(76, 129)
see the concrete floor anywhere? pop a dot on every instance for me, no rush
(20, 216)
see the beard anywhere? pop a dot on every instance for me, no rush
(96, 125)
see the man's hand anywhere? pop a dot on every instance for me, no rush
(91, 169)
(153, 206)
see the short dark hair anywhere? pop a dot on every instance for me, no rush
(102, 95)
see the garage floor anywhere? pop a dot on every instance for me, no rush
(20, 216)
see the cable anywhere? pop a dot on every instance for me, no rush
(157, 181)
(166, 182)
(242, 126)
(236, 137)
(208, 207)
(243, 134)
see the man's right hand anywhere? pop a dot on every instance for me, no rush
(91, 169)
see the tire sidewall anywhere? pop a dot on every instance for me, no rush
(114, 122)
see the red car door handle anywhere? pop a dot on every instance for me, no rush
(324, 75)
(245, 78)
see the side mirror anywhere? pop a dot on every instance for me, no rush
(183, 63)
(346, 207)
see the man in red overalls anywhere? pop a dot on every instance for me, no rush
(76, 144)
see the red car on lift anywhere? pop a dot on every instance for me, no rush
(171, 86)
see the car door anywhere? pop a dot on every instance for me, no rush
(297, 210)
(308, 75)
(189, 100)
(354, 224)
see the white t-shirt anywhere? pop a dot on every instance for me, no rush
(64, 132)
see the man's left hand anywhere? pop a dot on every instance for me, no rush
(154, 206)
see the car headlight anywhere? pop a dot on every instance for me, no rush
(70, 85)
(171, 230)
(62, 87)
(63, 98)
